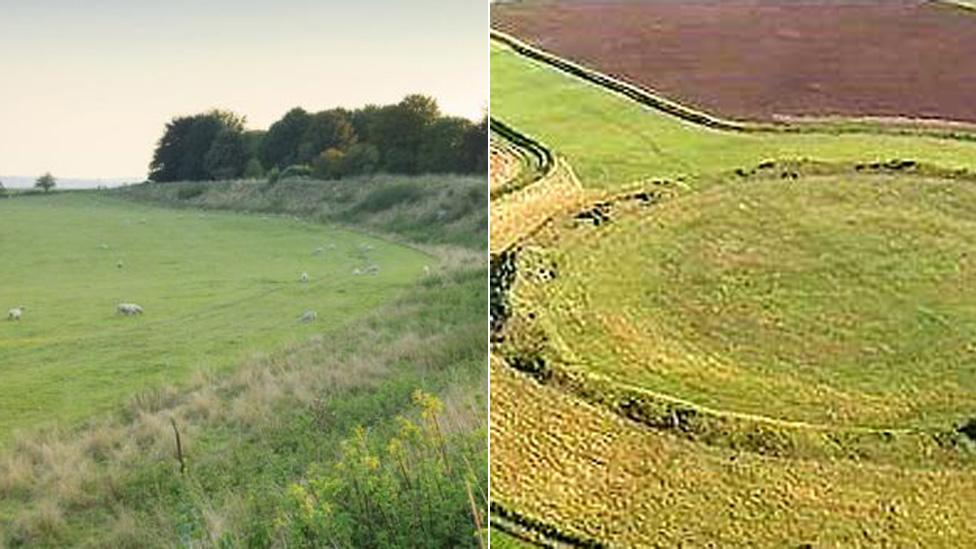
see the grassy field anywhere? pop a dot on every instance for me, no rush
(215, 288)
(835, 300)
(707, 364)
(293, 435)
(613, 142)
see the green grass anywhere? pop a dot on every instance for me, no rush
(216, 288)
(277, 420)
(612, 141)
(837, 300)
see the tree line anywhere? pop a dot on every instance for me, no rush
(409, 137)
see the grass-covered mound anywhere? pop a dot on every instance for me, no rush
(430, 209)
(838, 300)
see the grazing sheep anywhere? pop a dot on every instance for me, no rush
(128, 309)
(357, 271)
(373, 269)
(303, 278)
(16, 313)
(318, 250)
(308, 316)
(119, 264)
(426, 270)
(103, 246)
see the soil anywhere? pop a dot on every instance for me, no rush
(766, 59)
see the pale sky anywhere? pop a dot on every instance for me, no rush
(86, 87)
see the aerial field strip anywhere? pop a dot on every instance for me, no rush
(655, 100)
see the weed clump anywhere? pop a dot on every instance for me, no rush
(420, 486)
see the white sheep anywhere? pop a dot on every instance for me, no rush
(16, 313)
(426, 270)
(308, 316)
(357, 271)
(373, 269)
(119, 264)
(128, 309)
(303, 278)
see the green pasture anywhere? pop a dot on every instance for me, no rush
(216, 288)
(612, 141)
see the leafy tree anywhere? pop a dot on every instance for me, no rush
(46, 182)
(362, 158)
(331, 164)
(253, 139)
(399, 131)
(326, 130)
(279, 148)
(407, 137)
(3, 190)
(253, 169)
(365, 121)
(181, 154)
(442, 146)
(474, 148)
(227, 156)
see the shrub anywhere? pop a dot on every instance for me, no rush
(421, 488)
(186, 192)
(273, 175)
(362, 159)
(330, 164)
(387, 196)
(295, 171)
(254, 169)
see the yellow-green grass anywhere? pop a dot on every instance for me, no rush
(502, 540)
(612, 141)
(595, 475)
(833, 300)
(216, 288)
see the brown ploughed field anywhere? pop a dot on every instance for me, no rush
(770, 59)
